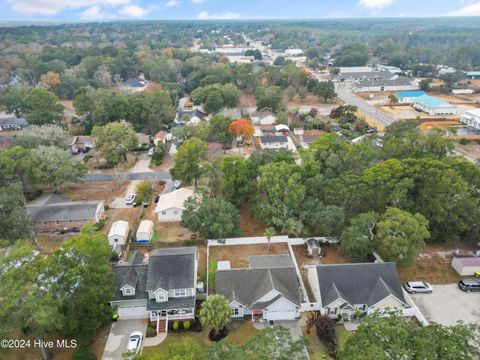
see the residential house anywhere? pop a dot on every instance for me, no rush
(171, 205)
(343, 289)
(233, 113)
(11, 123)
(184, 115)
(81, 143)
(407, 97)
(133, 85)
(434, 106)
(143, 140)
(263, 117)
(118, 233)
(273, 142)
(268, 290)
(471, 118)
(160, 137)
(59, 213)
(161, 287)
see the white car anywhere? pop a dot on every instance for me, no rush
(151, 151)
(130, 199)
(134, 342)
(177, 184)
(418, 287)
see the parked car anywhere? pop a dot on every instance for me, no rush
(177, 184)
(155, 200)
(418, 287)
(130, 199)
(151, 151)
(134, 343)
(469, 285)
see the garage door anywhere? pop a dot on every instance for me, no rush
(133, 312)
(280, 315)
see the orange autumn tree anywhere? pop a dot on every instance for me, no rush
(241, 128)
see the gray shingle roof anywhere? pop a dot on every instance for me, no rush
(121, 272)
(359, 283)
(247, 286)
(273, 139)
(75, 210)
(131, 278)
(400, 81)
(172, 303)
(12, 120)
(270, 261)
(171, 269)
(134, 82)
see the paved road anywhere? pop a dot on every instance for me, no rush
(163, 175)
(345, 94)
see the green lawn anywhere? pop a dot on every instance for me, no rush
(239, 331)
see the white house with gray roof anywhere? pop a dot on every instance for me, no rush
(161, 287)
(344, 289)
(268, 290)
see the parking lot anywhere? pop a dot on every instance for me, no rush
(118, 337)
(448, 304)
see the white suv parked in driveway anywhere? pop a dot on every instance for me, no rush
(418, 287)
(130, 199)
(134, 343)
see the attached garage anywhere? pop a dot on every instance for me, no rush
(282, 309)
(466, 265)
(133, 312)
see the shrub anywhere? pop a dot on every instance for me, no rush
(186, 325)
(99, 225)
(151, 331)
(326, 331)
(175, 325)
(144, 192)
(463, 141)
(87, 157)
(83, 353)
(158, 154)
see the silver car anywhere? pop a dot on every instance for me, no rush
(418, 287)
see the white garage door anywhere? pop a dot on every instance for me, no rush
(133, 312)
(280, 315)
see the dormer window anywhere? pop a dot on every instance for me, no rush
(128, 291)
(161, 296)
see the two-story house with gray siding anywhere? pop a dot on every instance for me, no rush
(161, 287)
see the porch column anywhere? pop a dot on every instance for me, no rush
(158, 323)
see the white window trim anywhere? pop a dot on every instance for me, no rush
(179, 292)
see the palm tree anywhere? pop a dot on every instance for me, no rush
(393, 99)
(269, 233)
(215, 313)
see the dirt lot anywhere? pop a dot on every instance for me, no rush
(238, 254)
(311, 100)
(247, 100)
(433, 264)
(170, 232)
(370, 121)
(430, 125)
(94, 191)
(448, 304)
(471, 151)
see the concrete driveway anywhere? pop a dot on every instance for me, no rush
(118, 337)
(448, 304)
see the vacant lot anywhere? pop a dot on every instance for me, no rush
(433, 264)
(170, 232)
(249, 225)
(94, 191)
(239, 331)
(448, 304)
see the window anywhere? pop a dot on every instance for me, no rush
(180, 292)
(128, 291)
(235, 312)
(175, 212)
(164, 213)
(161, 296)
(332, 311)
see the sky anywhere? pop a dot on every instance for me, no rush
(86, 10)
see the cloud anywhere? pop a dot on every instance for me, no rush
(376, 4)
(198, 1)
(93, 13)
(133, 11)
(172, 3)
(52, 7)
(469, 10)
(204, 15)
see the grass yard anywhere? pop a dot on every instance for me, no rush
(170, 232)
(317, 350)
(239, 331)
(94, 191)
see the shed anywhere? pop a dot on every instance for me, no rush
(118, 233)
(145, 231)
(466, 265)
(313, 247)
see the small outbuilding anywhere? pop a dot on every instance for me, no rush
(466, 265)
(145, 231)
(313, 247)
(118, 233)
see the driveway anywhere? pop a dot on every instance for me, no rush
(448, 304)
(118, 338)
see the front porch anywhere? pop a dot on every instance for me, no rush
(161, 318)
